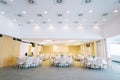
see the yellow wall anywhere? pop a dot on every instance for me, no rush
(88, 51)
(74, 49)
(47, 49)
(93, 48)
(62, 49)
(9, 50)
(36, 50)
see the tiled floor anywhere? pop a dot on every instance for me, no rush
(46, 72)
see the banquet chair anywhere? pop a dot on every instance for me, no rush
(20, 62)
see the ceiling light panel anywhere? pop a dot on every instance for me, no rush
(115, 11)
(2, 12)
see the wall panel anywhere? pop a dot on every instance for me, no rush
(9, 50)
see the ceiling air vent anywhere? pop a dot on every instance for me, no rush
(105, 14)
(87, 1)
(60, 22)
(59, 15)
(19, 15)
(3, 2)
(44, 22)
(118, 1)
(39, 15)
(28, 22)
(31, 1)
(80, 14)
(58, 1)
(76, 22)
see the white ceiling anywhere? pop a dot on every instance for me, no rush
(74, 13)
(115, 39)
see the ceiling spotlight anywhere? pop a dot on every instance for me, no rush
(11, 0)
(49, 19)
(37, 27)
(45, 12)
(2, 12)
(51, 27)
(115, 11)
(65, 27)
(66, 19)
(90, 11)
(84, 20)
(14, 20)
(24, 12)
(104, 19)
(96, 27)
(80, 26)
(67, 11)
(31, 20)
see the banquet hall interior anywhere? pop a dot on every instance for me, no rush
(59, 39)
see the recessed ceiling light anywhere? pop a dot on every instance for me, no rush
(11, 0)
(24, 12)
(96, 27)
(80, 26)
(115, 11)
(90, 11)
(45, 12)
(51, 27)
(37, 27)
(14, 20)
(2, 12)
(49, 19)
(67, 11)
(103, 19)
(84, 20)
(31, 20)
(66, 19)
(65, 27)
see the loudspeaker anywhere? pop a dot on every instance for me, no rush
(87, 44)
(1, 35)
(33, 44)
(19, 40)
(14, 38)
